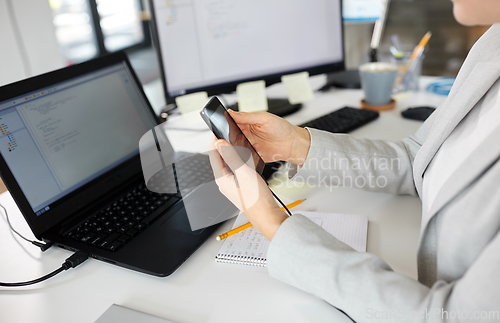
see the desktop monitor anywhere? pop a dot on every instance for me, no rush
(362, 11)
(214, 45)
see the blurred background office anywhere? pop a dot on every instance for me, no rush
(37, 36)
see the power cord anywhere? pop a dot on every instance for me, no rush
(76, 259)
(42, 245)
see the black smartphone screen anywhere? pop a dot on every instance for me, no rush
(223, 126)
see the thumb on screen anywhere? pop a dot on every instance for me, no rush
(230, 155)
(246, 177)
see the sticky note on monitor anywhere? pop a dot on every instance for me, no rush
(190, 106)
(298, 87)
(252, 96)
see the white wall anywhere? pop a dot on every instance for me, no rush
(34, 20)
(11, 64)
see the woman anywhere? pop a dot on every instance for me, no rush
(451, 163)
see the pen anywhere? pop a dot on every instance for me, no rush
(396, 42)
(396, 48)
(248, 225)
(417, 52)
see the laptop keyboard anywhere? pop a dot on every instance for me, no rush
(123, 219)
(192, 171)
(126, 217)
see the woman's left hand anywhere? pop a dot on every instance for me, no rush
(245, 188)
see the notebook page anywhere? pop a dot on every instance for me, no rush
(249, 243)
(351, 229)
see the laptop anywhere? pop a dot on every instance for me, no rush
(121, 314)
(69, 156)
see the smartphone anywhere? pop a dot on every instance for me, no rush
(223, 126)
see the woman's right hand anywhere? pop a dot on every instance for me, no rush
(273, 137)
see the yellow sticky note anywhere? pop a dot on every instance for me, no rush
(252, 96)
(190, 106)
(298, 87)
(400, 96)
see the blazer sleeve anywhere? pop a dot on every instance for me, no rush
(373, 165)
(361, 284)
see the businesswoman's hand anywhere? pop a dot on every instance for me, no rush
(245, 188)
(273, 137)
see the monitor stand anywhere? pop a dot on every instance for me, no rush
(280, 107)
(348, 79)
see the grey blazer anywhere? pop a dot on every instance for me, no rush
(459, 248)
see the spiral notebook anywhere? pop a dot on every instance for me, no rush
(249, 247)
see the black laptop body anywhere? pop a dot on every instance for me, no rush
(70, 159)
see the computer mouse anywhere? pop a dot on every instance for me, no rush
(418, 113)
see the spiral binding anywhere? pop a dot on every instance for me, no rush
(241, 260)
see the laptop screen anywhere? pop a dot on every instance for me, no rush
(61, 137)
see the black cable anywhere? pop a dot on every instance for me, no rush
(42, 245)
(76, 259)
(52, 274)
(282, 204)
(341, 311)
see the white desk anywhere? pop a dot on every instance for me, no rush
(202, 290)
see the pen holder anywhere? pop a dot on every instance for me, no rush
(409, 76)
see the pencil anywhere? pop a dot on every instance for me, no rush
(414, 55)
(248, 225)
(420, 47)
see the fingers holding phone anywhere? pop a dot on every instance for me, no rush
(241, 184)
(273, 137)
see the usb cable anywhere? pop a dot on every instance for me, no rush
(76, 259)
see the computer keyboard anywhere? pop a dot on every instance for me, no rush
(127, 216)
(343, 120)
(123, 219)
(192, 171)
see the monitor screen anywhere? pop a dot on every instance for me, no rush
(362, 10)
(60, 137)
(213, 45)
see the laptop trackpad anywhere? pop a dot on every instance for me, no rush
(179, 221)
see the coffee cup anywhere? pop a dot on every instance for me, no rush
(377, 80)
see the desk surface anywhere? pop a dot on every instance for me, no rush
(201, 290)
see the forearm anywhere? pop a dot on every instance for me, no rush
(363, 285)
(266, 218)
(342, 160)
